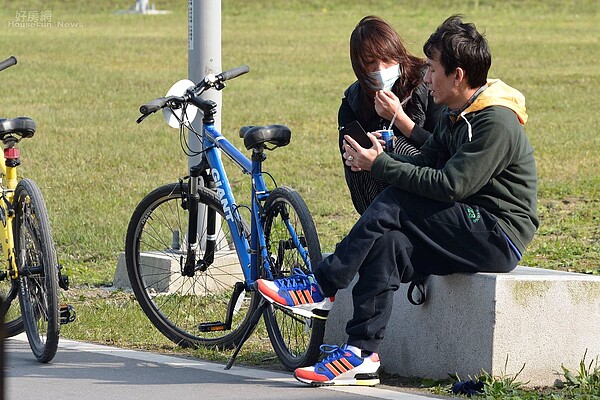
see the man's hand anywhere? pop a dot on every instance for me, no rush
(358, 158)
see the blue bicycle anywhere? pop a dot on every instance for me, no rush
(192, 258)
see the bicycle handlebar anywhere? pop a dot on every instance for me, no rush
(233, 73)
(9, 62)
(210, 81)
(153, 106)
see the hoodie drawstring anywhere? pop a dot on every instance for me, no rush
(463, 115)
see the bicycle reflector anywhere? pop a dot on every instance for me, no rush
(173, 117)
(12, 153)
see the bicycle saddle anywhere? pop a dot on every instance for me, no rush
(23, 127)
(258, 136)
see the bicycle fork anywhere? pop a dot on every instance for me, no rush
(192, 200)
(190, 265)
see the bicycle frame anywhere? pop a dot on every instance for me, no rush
(246, 251)
(253, 253)
(8, 176)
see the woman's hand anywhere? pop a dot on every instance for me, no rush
(386, 104)
(358, 158)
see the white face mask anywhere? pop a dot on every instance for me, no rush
(385, 78)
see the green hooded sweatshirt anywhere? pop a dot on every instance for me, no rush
(481, 157)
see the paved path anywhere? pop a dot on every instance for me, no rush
(93, 372)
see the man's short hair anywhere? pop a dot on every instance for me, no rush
(459, 44)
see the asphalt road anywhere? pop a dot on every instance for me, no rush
(85, 371)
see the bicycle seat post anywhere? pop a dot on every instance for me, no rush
(12, 159)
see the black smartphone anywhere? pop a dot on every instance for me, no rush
(355, 130)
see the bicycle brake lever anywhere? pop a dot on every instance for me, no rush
(141, 118)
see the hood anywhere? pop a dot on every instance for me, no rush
(499, 93)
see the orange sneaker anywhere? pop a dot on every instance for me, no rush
(341, 367)
(300, 293)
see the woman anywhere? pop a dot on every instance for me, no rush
(389, 80)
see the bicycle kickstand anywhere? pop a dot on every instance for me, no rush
(253, 321)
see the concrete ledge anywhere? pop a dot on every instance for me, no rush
(162, 273)
(489, 322)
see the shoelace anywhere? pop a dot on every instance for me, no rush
(333, 352)
(298, 279)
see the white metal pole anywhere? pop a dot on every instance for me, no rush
(204, 57)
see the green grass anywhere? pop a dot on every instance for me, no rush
(83, 85)
(583, 383)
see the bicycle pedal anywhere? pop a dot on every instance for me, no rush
(67, 314)
(63, 280)
(212, 326)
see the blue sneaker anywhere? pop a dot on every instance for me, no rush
(299, 293)
(341, 367)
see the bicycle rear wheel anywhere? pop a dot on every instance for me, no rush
(189, 310)
(38, 271)
(295, 339)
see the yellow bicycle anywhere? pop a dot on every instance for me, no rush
(32, 272)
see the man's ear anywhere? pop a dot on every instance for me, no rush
(459, 76)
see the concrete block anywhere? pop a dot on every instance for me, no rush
(489, 322)
(163, 273)
(120, 279)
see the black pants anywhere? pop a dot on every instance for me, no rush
(401, 235)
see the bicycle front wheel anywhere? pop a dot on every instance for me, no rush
(209, 306)
(295, 339)
(38, 271)
(13, 322)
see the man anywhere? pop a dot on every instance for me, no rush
(467, 203)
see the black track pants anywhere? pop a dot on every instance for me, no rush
(398, 236)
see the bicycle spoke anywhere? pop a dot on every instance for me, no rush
(182, 306)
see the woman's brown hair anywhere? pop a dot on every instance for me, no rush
(374, 39)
